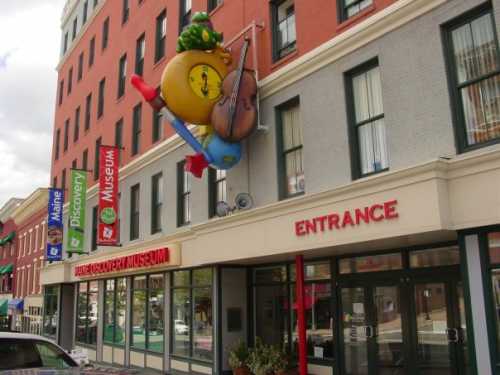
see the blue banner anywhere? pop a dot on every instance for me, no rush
(55, 225)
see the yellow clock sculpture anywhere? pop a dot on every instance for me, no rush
(191, 84)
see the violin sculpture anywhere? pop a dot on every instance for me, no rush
(234, 117)
(193, 83)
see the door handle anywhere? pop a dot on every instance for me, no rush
(371, 332)
(453, 335)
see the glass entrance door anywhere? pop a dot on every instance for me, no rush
(405, 327)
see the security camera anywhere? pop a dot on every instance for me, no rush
(243, 201)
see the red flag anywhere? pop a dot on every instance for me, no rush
(108, 196)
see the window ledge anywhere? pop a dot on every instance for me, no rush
(121, 98)
(291, 55)
(159, 62)
(352, 20)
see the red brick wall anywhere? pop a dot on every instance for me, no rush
(8, 253)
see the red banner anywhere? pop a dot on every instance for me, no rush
(107, 233)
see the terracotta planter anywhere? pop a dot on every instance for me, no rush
(241, 371)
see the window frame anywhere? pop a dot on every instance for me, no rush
(456, 103)
(160, 40)
(182, 195)
(213, 184)
(184, 15)
(88, 111)
(98, 143)
(66, 135)
(276, 50)
(115, 300)
(354, 146)
(135, 212)
(91, 51)
(122, 75)
(70, 81)
(213, 4)
(105, 34)
(81, 59)
(281, 152)
(85, 11)
(75, 28)
(136, 129)
(342, 10)
(119, 138)
(57, 144)
(100, 101)
(156, 202)
(85, 159)
(61, 92)
(140, 54)
(76, 129)
(125, 11)
(87, 294)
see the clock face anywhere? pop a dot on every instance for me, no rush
(205, 81)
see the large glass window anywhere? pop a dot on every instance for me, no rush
(148, 301)
(475, 66)
(275, 308)
(290, 147)
(371, 263)
(86, 317)
(50, 318)
(115, 302)
(367, 126)
(283, 27)
(192, 314)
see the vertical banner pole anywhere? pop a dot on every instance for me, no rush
(301, 313)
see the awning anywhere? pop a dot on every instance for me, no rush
(3, 306)
(7, 268)
(16, 304)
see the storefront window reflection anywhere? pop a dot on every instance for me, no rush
(115, 299)
(87, 308)
(155, 313)
(371, 263)
(139, 313)
(192, 311)
(494, 257)
(50, 319)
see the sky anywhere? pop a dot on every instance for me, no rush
(29, 53)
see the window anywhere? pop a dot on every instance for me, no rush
(122, 75)
(371, 263)
(70, 80)
(88, 109)
(366, 121)
(86, 315)
(183, 195)
(192, 313)
(91, 51)
(283, 16)
(74, 164)
(115, 308)
(85, 158)
(161, 35)
(54, 185)
(76, 132)
(95, 218)
(100, 104)
(217, 189)
(95, 3)
(58, 143)
(290, 148)
(105, 34)
(61, 91)
(96, 158)
(119, 138)
(156, 202)
(148, 301)
(80, 67)
(474, 62)
(75, 26)
(50, 318)
(65, 43)
(275, 316)
(134, 212)
(349, 8)
(85, 11)
(63, 180)
(140, 48)
(157, 125)
(212, 4)
(66, 134)
(185, 14)
(125, 11)
(136, 129)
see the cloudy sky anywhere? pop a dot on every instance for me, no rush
(29, 50)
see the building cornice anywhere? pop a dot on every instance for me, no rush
(8, 208)
(368, 30)
(37, 201)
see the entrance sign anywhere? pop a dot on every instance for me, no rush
(78, 199)
(55, 225)
(374, 213)
(142, 260)
(108, 196)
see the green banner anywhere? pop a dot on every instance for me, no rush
(78, 198)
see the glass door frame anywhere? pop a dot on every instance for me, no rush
(405, 279)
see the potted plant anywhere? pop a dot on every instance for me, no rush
(279, 361)
(238, 357)
(260, 359)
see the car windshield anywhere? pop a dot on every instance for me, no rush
(23, 354)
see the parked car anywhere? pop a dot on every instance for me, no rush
(23, 351)
(181, 328)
